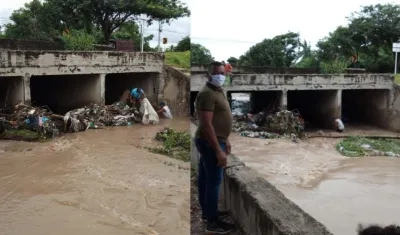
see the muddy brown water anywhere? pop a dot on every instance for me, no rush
(94, 182)
(338, 191)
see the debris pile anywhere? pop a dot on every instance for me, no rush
(46, 124)
(262, 125)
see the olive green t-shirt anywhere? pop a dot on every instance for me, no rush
(213, 99)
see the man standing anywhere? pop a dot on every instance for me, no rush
(211, 138)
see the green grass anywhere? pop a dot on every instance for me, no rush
(397, 78)
(176, 144)
(178, 59)
(17, 134)
(352, 146)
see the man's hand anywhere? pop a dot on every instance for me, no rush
(228, 147)
(222, 160)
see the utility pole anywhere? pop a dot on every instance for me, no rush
(141, 34)
(396, 50)
(159, 35)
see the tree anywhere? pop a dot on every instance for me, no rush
(280, 51)
(130, 31)
(200, 54)
(48, 19)
(370, 35)
(183, 45)
(232, 60)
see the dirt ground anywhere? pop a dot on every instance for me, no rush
(196, 226)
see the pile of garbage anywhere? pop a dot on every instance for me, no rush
(49, 125)
(273, 125)
(176, 144)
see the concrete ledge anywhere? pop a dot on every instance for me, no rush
(259, 207)
(20, 63)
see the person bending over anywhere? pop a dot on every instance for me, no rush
(211, 139)
(164, 111)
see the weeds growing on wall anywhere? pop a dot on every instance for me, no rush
(176, 144)
(361, 146)
(78, 40)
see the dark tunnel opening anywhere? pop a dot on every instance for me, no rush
(116, 84)
(62, 93)
(365, 107)
(11, 91)
(255, 101)
(319, 109)
(193, 95)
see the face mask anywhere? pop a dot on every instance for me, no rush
(217, 80)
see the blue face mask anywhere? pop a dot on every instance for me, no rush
(217, 80)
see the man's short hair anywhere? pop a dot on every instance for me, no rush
(214, 64)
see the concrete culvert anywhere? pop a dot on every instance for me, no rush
(11, 91)
(193, 95)
(116, 84)
(265, 101)
(365, 107)
(63, 93)
(319, 109)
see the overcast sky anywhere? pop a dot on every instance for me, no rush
(177, 30)
(229, 28)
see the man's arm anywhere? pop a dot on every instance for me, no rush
(205, 117)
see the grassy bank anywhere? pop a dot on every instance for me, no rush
(178, 59)
(397, 78)
(24, 135)
(176, 144)
(362, 146)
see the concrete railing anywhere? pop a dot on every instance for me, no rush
(257, 206)
(20, 63)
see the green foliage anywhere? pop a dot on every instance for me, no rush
(200, 54)
(336, 66)
(280, 51)
(49, 19)
(233, 60)
(175, 144)
(353, 146)
(78, 40)
(178, 59)
(183, 45)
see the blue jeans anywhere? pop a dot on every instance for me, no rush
(209, 179)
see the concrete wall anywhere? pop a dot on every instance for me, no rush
(175, 90)
(257, 206)
(202, 69)
(11, 91)
(254, 82)
(394, 109)
(20, 63)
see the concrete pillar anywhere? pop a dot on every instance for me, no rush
(102, 88)
(339, 104)
(283, 100)
(27, 89)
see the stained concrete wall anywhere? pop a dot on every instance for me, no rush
(257, 206)
(175, 91)
(394, 109)
(319, 108)
(20, 63)
(256, 82)
(65, 92)
(368, 106)
(11, 91)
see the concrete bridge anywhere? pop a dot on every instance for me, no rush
(319, 97)
(65, 80)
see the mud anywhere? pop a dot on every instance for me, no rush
(338, 191)
(94, 182)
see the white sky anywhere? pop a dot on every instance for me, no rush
(229, 28)
(177, 30)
